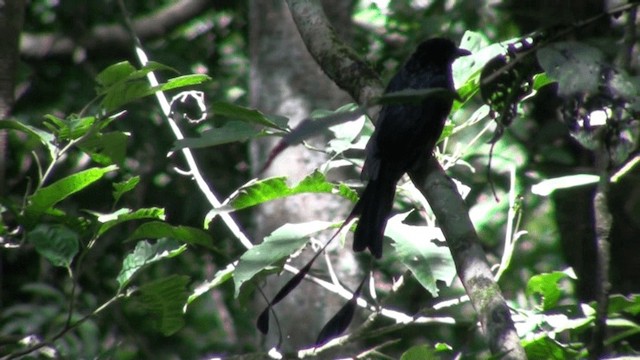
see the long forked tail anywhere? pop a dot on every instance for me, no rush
(374, 208)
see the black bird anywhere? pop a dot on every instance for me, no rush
(404, 132)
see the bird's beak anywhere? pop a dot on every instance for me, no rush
(462, 52)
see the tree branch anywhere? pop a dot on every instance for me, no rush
(353, 75)
(471, 263)
(113, 37)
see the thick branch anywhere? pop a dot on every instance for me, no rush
(471, 262)
(339, 61)
(352, 74)
(114, 37)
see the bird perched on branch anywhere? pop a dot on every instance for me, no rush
(404, 132)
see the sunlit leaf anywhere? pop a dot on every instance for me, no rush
(45, 198)
(159, 229)
(277, 246)
(546, 285)
(124, 215)
(145, 254)
(120, 188)
(416, 250)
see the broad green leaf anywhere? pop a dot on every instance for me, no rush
(159, 229)
(125, 92)
(624, 304)
(124, 215)
(145, 254)
(183, 81)
(45, 198)
(420, 352)
(233, 131)
(70, 128)
(540, 80)
(546, 348)
(546, 285)
(46, 138)
(115, 73)
(277, 246)
(219, 278)
(120, 188)
(56, 243)
(106, 148)
(165, 299)
(416, 250)
(258, 192)
(236, 112)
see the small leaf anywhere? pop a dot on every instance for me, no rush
(56, 243)
(106, 148)
(416, 250)
(159, 229)
(260, 191)
(341, 320)
(236, 112)
(547, 286)
(47, 139)
(277, 246)
(165, 299)
(45, 198)
(120, 188)
(420, 352)
(115, 73)
(184, 81)
(145, 254)
(233, 131)
(219, 278)
(124, 215)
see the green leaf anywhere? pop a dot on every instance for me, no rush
(219, 278)
(56, 243)
(115, 73)
(159, 229)
(420, 352)
(124, 215)
(125, 92)
(70, 128)
(46, 138)
(183, 81)
(623, 304)
(106, 148)
(165, 299)
(253, 116)
(233, 131)
(546, 348)
(258, 192)
(546, 285)
(540, 80)
(281, 243)
(416, 250)
(145, 254)
(45, 198)
(120, 188)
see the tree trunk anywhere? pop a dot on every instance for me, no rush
(285, 80)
